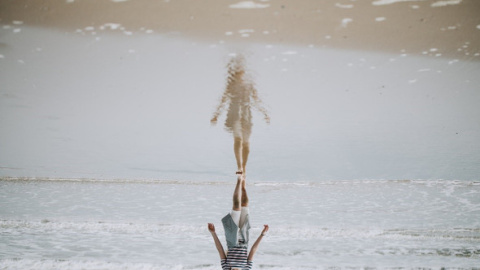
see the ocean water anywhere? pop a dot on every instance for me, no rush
(126, 224)
(108, 160)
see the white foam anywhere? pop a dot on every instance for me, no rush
(346, 21)
(388, 2)
(248, 5)
(280, 232)
(478, 26)
(243, 31)
(380, 19)
(446, 3)
(343, 5)
(256, 183)
(112, 26)
(87, 264)
(100, 226)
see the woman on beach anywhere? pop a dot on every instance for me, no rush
(241, 95)
(237, 225)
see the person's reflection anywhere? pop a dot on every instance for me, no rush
(241, 96)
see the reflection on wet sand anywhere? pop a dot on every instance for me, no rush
(241, 95)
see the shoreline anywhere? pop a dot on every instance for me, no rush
(416, 28)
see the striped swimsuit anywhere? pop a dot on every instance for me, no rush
(237, 258)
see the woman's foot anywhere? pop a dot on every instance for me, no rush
(241, 178)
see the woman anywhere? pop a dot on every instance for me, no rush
(236, 225)
(241, 96)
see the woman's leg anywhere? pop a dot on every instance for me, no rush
(244, 194)
(238, 194)
(244, 212)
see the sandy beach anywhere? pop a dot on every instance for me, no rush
(432, 28)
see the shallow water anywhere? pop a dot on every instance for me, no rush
(162, 225)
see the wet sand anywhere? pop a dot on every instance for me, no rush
(431, 28)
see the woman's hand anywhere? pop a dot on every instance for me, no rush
(265, 229)
(211, 228)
